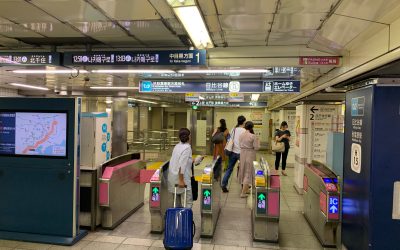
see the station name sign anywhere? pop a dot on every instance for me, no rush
(132, 58)
(270, 86)
(29, 58)
(229, 104)
(319, 60)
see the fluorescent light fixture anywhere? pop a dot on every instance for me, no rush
(139, 100)
(193, 22)
(49, 71)
(254, 97)
(28, 86)
(222, 71)
(109, 102)
(113, 88)
(127, 71)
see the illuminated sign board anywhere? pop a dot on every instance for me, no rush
(261, 203)
(333, 207)
(206, 204)
(29, 58)
(271, 86)
(155, 196)
(229, 104)
(166, 57)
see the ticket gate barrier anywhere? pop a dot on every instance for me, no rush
(322, 207)
(210, 198)
(266, 203)
(159, 198)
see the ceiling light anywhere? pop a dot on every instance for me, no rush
(49, 71)
(193, 22)
(126, 71)
(139, 100)
(112, 87)
(109, 102)
(222, 71)
(28, 86)
(254, 97)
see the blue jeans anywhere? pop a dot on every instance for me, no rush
(233, 158)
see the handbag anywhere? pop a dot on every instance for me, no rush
(218, 138)
(195, 186)
(229, 146)
(278, 147)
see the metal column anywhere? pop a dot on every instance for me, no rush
(119, 126)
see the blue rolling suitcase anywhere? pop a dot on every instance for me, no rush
(179, 227)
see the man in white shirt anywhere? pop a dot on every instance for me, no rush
(235, 154)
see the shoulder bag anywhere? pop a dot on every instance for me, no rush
(278, 146)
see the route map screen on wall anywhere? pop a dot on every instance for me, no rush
(33, 134)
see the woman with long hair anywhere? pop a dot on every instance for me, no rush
(219, 138)
(249, 144)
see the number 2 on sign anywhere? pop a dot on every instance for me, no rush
(311, 117)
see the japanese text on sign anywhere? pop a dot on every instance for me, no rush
(22, 58)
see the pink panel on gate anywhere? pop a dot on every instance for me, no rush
(273, 204)
(103, 193)
(305, 183)
(322, 202)
(108, 172)
(145, 175)
(275, 181)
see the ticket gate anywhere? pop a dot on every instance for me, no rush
(120, 190)
(266, 204)
(159, 198)
(322, 202)
(210, 198)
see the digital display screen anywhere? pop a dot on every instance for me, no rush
(330, 180)
(261, 203)
(207, 199)
(33, 134)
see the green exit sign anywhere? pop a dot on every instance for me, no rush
(194, 107)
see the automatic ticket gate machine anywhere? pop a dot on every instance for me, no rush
(159, 198)
(266, 204)
(210, 198)
(322, 202)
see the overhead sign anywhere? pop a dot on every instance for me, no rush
(164, 57)
(29, 58)
(229, 104)
(319, 60)
(236, 97)
(192, 97)
(271, 86)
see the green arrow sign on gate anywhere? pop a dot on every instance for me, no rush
(261, 197)
(155, 190)
(207, 193)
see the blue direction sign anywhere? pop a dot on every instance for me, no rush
(164, 57)
(333, 205)
(272, 86)
(29, 58)
(228, 104)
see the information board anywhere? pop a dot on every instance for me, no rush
(36, 134)
(166, 57)
(29, 58)
(272, 86)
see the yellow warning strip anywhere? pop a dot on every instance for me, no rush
(155, 165)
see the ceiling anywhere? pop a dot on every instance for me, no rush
(67, 25)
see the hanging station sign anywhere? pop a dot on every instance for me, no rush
(272, 86)
(319, 60)
(129, 58)
(29, 58)
(229, 104)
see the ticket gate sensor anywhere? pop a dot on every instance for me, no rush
(210, 198)
(266, 204)
(159, 198)
(322, 202)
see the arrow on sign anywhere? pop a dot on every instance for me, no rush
(155, 190)
(207, 193)
(313, 109)
(261, 197)
(333, 209)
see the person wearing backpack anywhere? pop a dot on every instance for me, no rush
(219, 138)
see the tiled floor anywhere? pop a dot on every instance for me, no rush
(233, 231)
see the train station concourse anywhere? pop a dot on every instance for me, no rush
(199, 124)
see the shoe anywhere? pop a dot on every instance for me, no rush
(243, 195)
(283, 173)
(225, 190)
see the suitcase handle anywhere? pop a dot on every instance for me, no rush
(184, 198)
(194, 229)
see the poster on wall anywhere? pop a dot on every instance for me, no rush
(257, 118)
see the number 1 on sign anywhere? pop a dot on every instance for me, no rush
(198, 57)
